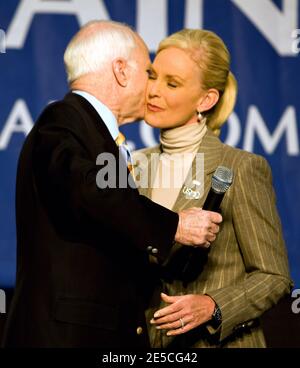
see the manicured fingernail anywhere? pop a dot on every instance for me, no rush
(168, 333)
(152, 320)
(156, 315)
(158, 327)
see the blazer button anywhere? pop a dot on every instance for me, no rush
(154, 250)
(149, 249)
(139, 330)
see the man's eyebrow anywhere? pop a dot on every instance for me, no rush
(151, 69)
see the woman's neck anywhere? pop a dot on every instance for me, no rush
(183, 139)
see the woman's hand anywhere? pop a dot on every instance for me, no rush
(183, 313)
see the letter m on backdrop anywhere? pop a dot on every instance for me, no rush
(2, 301)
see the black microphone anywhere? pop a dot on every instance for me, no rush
(221, 181)
(197, 257)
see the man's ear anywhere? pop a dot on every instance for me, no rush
(120, 70)
(209, 100)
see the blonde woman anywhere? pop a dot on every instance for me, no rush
(209, 297)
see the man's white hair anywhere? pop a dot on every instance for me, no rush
(97, 44)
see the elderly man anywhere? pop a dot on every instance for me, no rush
(82, 273)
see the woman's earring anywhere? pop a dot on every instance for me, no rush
(200, 117)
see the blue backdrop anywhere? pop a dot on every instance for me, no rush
(264, 41)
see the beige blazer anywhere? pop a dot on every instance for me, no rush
(245, 270)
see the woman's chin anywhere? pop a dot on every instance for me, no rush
(160, 125)
(153, 123)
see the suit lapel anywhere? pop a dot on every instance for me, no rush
(148, 167)
(211, 148)
(94, 119)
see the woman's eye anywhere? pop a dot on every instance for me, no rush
(172, 85)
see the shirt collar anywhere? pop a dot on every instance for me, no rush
(104, 112)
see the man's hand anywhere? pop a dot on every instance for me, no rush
(197, 227)
(183, 313)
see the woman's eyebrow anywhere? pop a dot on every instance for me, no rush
(174, 76)
(168, 76)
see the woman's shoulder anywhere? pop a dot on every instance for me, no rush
(238, 157)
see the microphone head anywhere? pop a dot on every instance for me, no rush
(222, 179)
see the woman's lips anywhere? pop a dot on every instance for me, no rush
(154, 108)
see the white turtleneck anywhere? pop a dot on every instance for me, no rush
(179, 147)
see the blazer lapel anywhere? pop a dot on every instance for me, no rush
(211, 148)
(147, 167)
(94, 119)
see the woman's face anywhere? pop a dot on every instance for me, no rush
(174, 90)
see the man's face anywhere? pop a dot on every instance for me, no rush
(137, 84)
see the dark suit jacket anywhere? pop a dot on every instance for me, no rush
(82, 265)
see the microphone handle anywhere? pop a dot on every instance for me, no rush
(213, 201)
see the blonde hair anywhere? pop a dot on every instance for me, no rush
(96, 44)
(213, 58)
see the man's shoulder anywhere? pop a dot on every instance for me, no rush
(67, 105)
(72, 113)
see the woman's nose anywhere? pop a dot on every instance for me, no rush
(154, 89)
